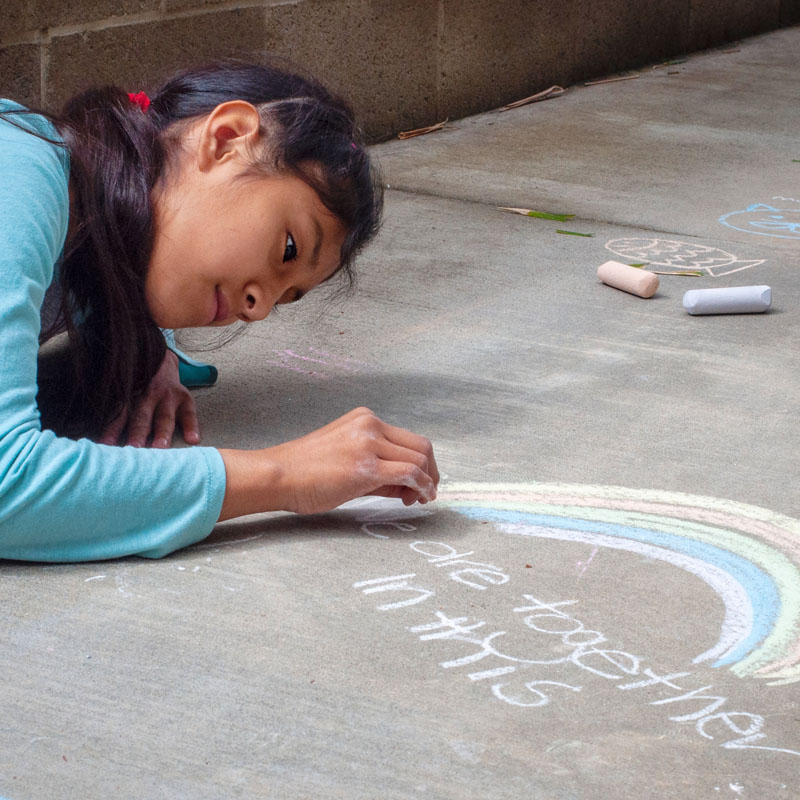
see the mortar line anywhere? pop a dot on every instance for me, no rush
(44, 62)
(39, 35)
(439, 42)
(624, 225)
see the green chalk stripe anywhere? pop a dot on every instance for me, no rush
(796, 161)
(554, 217)
(574, 233)
(638, 266)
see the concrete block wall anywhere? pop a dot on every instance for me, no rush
(403, 63)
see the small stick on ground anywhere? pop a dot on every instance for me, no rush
(553, 91)
(611, 80)
(422, 131)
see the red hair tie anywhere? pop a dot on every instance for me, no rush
(140, 99)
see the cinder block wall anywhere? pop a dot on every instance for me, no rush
(403, 63)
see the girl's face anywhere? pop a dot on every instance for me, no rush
(229, 246)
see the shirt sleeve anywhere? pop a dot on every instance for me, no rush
(65, 500)
(192, 373)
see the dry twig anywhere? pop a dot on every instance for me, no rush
(422, 131)
(553, 91)
(611, 80)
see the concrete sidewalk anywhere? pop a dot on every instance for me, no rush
(605, 602)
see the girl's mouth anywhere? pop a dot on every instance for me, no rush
(222, 310)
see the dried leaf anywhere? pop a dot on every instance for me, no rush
(527, 212)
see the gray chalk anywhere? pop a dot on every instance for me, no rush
(731, 300)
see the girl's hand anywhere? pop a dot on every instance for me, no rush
(166, 402)
(356, 455)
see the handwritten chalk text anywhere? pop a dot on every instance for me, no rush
(552, 635)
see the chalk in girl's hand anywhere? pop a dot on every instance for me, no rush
(629, 279)
(732, 300)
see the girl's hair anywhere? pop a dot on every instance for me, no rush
(118, 153)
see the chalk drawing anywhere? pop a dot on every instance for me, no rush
(748, 555)
(393, 584)
(585, 564)
(313, 361)
(680, 255)
(779, 218)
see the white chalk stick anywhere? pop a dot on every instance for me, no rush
(731, 300)
(629, 279)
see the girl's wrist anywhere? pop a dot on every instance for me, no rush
(255, 483)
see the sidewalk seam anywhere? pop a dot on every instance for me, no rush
(627, 225)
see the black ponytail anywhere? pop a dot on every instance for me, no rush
(116, 157)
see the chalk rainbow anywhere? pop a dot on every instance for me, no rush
(748, 555)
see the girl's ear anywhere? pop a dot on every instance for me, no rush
(228, 132)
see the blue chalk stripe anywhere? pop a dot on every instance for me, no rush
(761, 590)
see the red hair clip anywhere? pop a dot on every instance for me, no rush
(140, 99)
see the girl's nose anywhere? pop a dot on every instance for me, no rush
(256, 303)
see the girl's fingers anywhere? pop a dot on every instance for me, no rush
(406, 455)
(410, 476)
(408, 496)
(353, 456)
(398, 436)
(113, 432)
(139, 425)
(163, 425)
(187, 416)
(415, 442)
(389, 451)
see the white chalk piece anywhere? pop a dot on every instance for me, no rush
(629, 279)
(731, 300)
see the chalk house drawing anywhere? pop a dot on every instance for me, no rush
(748, 555)
(680, 255)
(779, 218)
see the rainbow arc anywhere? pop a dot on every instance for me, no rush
(750, 556)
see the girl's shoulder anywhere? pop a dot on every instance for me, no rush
(21, 127)
(34, 196)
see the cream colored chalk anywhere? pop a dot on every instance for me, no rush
(629, 279)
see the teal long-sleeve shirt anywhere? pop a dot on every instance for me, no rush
(65, 500)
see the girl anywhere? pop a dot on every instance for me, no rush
(234, 188)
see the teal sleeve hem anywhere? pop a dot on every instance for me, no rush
(214, 499)
(192, 373)
(196, 375)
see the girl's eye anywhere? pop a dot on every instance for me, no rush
(290, 253)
